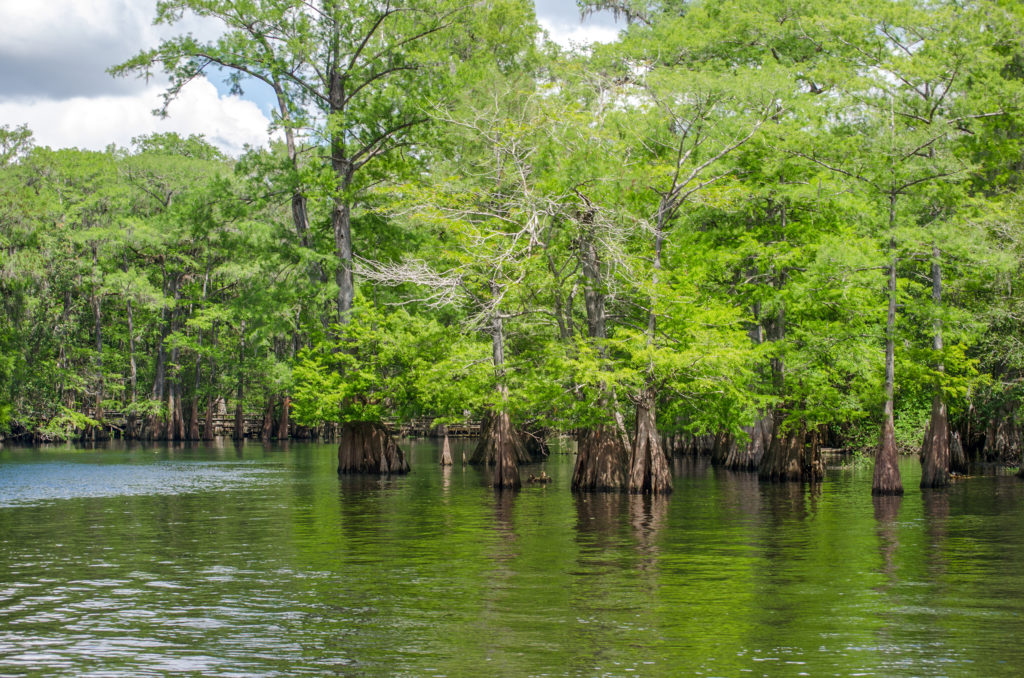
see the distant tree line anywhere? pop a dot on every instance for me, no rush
(748, 229)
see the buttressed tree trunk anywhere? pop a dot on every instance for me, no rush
(368, 447)
(602, 456)
(887, 474)
(935, 453)
(792, 456)
(282, 424)
(446, 448)
(601, 460)
(507, 447)
(268, 420)
(648, 468)
(487, 451)
(748, 456)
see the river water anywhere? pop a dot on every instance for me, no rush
(260, 560)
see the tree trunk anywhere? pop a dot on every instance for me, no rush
(602, 453)
(341, 219)
(133, 374)
(282, 424)
(341, 208)
(935, 453)
(486, 451)
(887, 473)
(193, 413)
(175, 427)
(601, 460)
(179, 417)
(239, 415)
(154, 428)
(268, 420)
(957, 456)
(749, 455)
(97, 432)
(446, 448)
(368, 447)
(725, 446)
(208, 432)
(792, 456)
(208, 422)
(505, 449)
(648, 467)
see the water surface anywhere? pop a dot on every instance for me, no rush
(259, 560)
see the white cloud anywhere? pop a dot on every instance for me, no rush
(94, 122)
(53, 60)
(54, 55)
(570, 34)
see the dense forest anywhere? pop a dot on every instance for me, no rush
(744, 229)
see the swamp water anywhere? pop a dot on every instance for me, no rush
(260, 560)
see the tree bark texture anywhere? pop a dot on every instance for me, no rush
(601, 460)
(283, 420)
(935, 453)
(748, 456)
(267, 430)
(648, 467)
(446, 448)
(1004, 437)
(486, 452)
(505, 442)
(239, 415)
(887, 473)
(792, 456)
(368, 447)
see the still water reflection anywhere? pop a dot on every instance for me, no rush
(260, 561)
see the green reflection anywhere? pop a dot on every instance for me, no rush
(260, 560)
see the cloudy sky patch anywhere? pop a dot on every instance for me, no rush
(54, 55)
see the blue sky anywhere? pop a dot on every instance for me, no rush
(54, 55)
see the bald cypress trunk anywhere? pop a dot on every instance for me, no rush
(208, 424)
(283, 420)
(507, 447)
(935, 452)
(887, 474)
(239, 393)
(648, 466)
(446, 448)
(748, 455)
(268, 419)
(368, 447)
(601, 460)
(133, 374)
(792, 456)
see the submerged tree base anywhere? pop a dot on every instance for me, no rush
(887, 473)
(368, 447)
(935, 452)
(501, 446)
(792, 456)
(648, 467)
(601, 460)
(446, 450)
(747, 457)
(487, 451)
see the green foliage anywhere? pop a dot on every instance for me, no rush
(725, 187)
(380, 366)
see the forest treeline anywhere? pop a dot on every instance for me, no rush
(750, 229)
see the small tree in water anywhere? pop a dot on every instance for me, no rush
(367, 375)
